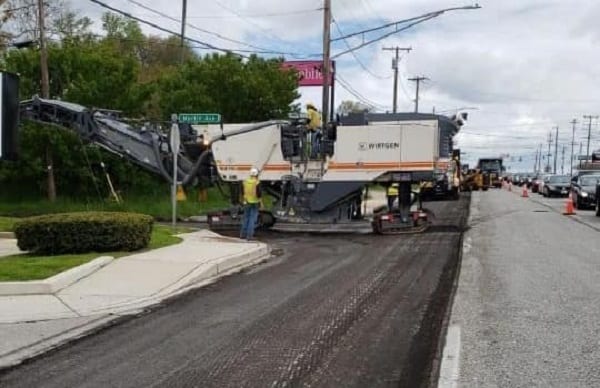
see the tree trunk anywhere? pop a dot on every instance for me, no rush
(50, 166)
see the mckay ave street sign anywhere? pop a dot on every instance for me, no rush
(199, 118)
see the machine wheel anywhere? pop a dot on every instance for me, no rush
(265, 219)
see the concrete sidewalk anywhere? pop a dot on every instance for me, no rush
(91, 296)
(8, 246)
(526, 311)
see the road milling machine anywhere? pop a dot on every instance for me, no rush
(327, 192)
(322, 192)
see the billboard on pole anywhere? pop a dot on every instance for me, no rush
(310, 73)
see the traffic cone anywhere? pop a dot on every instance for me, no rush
(569, 211)
(525, 194)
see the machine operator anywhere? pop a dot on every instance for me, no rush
(314, 125)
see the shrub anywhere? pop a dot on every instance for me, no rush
(83, 232)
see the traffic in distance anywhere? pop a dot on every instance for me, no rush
(582, 187)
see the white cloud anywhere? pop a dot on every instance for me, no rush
(527, 65)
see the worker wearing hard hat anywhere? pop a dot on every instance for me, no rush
(392, 195)
(252, 199)
(314, 126)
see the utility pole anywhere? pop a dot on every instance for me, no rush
(183, 21)
(562, 164)
(395, 63)
(46, 94)
(574, 122)
(587, 155)
(549, 153)
(580, 152)
(418, 81)
(535, 162)
(555, 149)
(326, 57)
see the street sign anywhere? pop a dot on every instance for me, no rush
(199, 118)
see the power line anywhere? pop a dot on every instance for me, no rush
(215, 34)
(247, 20)
(126, 14)
(415, 21)
(378, 39)
(258, 15)
(364, 67)
(356, 94)
(428, 15)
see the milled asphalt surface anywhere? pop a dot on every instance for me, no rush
(335, 310)
(527, 304)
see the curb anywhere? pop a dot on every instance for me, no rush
(18, 356)
(200, 276)
(7, 235)
(55, 283)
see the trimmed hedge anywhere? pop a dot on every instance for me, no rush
(83, 232)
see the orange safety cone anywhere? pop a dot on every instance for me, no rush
(569, 210)
(525, 194)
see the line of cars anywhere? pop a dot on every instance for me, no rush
(584, 187)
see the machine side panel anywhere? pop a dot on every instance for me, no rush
(236, 155)
(367, 152)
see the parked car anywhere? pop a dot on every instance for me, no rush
(583, 190)
(557, 185)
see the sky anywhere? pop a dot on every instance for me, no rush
(518, 67)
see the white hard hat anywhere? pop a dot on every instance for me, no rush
(254, 171)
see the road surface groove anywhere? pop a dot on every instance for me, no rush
(337, 310)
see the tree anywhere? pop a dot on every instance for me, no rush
(347, 107)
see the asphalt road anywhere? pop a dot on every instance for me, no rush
(526, 307)
(336, 310)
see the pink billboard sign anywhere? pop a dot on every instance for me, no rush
(310, 73)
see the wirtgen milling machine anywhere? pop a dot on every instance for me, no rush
(326, 193)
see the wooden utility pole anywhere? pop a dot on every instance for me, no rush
(555, 149)
(183, 21)
(326, 58)
(574, 122)
(587, 154)
(46, 94)
(418, 81)
(562, 164)
(549, 153)
(395, 63)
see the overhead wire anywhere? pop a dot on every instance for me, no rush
(364, 67)
(413, 22)
(262, 50)
(346, 85)
(247, 20)
(160, 28)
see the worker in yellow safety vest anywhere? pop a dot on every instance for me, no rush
(314, 127)
(252, 201)
(392, 194)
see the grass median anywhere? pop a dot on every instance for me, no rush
(6, 224)
(26, 266)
